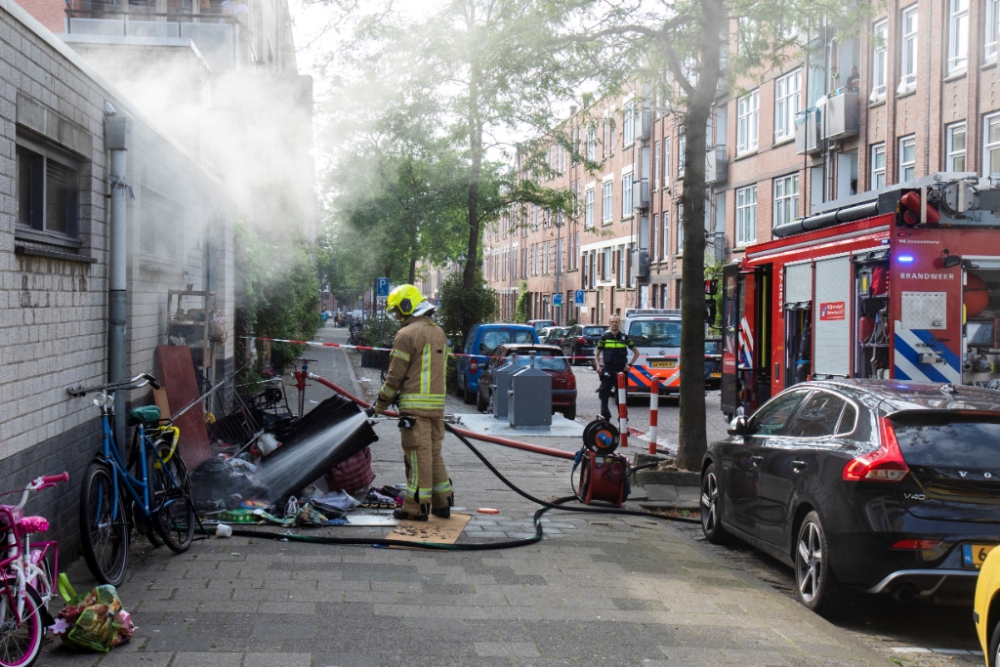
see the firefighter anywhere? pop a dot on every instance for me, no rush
(610, 359)
(416, 381)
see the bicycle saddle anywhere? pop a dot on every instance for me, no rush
(147, 414)
(33, 524)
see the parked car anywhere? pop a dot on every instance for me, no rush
(548, 358)
(713, 362)
(879, 486)
(541, 324)
(552, 335)
(580, 342)
(482, 341)
(986, 612)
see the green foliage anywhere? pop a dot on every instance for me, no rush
(521, 307)
(380, 331)
(462, 308)
(277, 296)
(571, 322)
(713, 270)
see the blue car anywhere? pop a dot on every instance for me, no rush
(483, 339)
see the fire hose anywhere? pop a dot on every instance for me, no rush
(464, 436)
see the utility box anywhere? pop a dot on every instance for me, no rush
(501, 386)
(530, 398)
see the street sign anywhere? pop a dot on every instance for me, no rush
(557, 300)
(381, 287)
(579, 297)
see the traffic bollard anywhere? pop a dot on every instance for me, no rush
(622, 410)
(654, 409)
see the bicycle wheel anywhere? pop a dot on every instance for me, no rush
(20, 643)
(170, 497)
(105, 532)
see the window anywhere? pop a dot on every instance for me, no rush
(681, 145)
(954, 147)
(990, 40)
(746, 215)
(878, 167)
(628, 119)
(604, 138)
(958, 35)
(666, 160)
(991, 145)
(880, 32)
(611, 132)
(787, 101)
(772, 418)
(631, 258)
(606, 264)
(627, 195)
(592, 144)
(607, 196)
(665, 234)
(656, 166)
(908, 50)
(588, 209)
(747, 108)
(47, 193)
(680, 228)
(621, 266)
(818, 416)
(786, 199)
(907, 158)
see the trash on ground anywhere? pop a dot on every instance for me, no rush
(92, 622)
(488, 510)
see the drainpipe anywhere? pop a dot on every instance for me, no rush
(117, 139)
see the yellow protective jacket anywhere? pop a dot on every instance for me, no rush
(416, 369)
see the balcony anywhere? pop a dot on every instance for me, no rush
(640, 193)
(842, 118)
(716, 165)
(643, 124)
(807, 131)
(218, 37)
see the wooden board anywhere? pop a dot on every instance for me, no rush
(438, 531)
(162, 402)
(175, 370)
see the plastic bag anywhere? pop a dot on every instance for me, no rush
(93, 622)
(339, 501)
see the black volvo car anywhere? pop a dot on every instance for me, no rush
(879, 486)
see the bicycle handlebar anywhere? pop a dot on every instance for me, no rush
(140, 380)
(55, 479)
(40, 483)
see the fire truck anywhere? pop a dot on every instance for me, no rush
(903, 283)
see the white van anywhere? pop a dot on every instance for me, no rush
(656, 334)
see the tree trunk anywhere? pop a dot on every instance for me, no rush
(476, 155)
(413, 268)
(692, 441)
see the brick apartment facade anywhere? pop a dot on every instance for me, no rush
(917, 92)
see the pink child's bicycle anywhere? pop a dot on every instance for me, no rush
(29, 573)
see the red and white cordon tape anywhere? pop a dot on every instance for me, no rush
(622, 410)
(654, 410)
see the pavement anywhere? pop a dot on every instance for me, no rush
(598, 590)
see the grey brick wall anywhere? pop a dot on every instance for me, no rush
(53, 307)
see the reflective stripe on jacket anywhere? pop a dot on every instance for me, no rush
(416, 368)
(614, 350)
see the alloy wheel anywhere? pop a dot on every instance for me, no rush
(809, 562)
(709, 502)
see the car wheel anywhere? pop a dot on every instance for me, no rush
(570, 412)
(458, 389)
(711, 507)
(468, 397)
(818, 588)
(481, 404)
(994, 655)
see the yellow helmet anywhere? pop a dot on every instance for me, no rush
(405, 299)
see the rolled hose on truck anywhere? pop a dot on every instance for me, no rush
(558, 504)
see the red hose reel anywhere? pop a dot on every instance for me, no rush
(603, 473)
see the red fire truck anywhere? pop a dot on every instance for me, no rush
(903, 283)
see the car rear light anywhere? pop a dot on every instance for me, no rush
(571, 382)
(917, 545)
(885, 464)
(473, 366)
(581, 341)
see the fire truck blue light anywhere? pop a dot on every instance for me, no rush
(905, 259)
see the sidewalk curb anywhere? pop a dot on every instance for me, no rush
(671, 478)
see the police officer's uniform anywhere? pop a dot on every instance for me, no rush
(614, 354)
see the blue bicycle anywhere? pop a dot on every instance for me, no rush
(157, 489)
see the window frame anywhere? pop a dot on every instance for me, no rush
(987, 145)
(45, 152)
(681, 146)
(627, 208)
(588, 207)
(958, 37)
(874, 151)
(908, 50)
(748, 122)
(991, 35)
(901, 144)
(787, 103)
(951, 154)
(628, 123)
(880, 61)
(746, 209)
(787, 203)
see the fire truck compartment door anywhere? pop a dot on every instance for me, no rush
(798, 283)
(831, 313)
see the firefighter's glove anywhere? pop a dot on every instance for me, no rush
(370, 411)
(380, 405)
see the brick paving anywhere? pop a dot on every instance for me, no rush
(599, 590)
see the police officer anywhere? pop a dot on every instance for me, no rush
(416, 380)
(610, 359)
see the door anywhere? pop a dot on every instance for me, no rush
(832, 339)
(742, 458)
(730, 331)
(790, 458)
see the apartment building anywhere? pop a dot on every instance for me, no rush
(916, 92)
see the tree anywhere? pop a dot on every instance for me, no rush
(690, 41)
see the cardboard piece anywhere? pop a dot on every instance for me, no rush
(439, 531)
(162, 402)
(175, 370)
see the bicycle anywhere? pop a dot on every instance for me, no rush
(158, 492)
(28, 578)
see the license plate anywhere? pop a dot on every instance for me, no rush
(973, 555)
(716, 375)
(667, 363)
